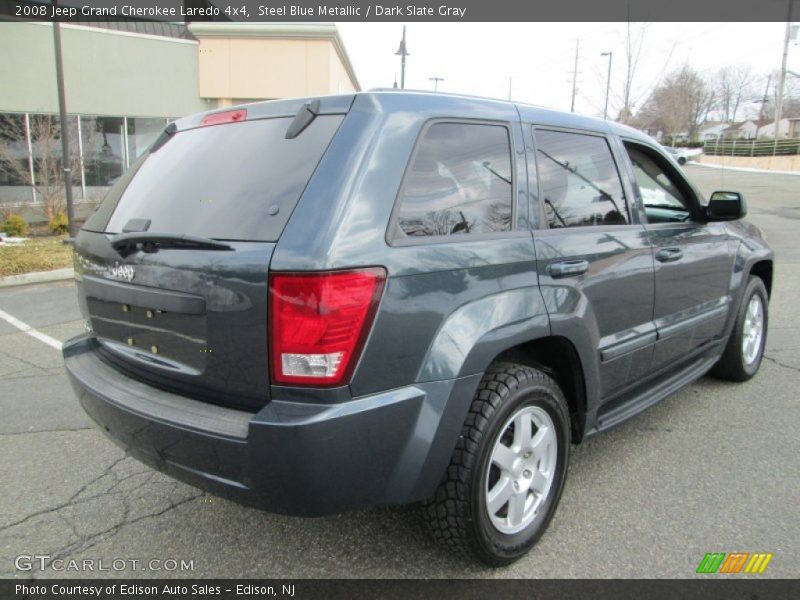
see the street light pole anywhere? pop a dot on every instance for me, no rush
(402, 53)
(435, 81)
(608, 81)
(62, 110)
(575, 76)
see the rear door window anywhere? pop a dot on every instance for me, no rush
(460, 182)
(237, 181)
(579, 178)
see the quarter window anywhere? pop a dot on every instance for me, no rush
(460, 182)
(580, 182)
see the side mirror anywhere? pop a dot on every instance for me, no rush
(726, 206)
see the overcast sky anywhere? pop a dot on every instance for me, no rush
(479, 58)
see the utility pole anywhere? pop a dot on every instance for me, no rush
(402, 53)
(762, 114)
(575, 77)
(782, 79)
(62, 110)
(509, 87)
(435, 81)
(608, 80)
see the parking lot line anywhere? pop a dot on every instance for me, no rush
(42, 337)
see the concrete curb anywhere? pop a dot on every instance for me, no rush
(38, 277)
(745, 169)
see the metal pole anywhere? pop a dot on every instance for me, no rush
(510, 79)
(435, 81)
(762, 113)
(80, 158)
(30, 156)
(402, 52)
(62, 110)
(782, 80)
(608, 82)
(125, 150)
(575, 77)
(403, 62)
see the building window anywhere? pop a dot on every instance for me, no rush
(102, 150)
(14, 164)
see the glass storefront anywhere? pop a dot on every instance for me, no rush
(101, 148)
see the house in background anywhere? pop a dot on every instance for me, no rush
(711, 130)
(794, 127)
(767, 130)
(742, 130)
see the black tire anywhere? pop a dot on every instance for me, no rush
(457, 515)
(732, 365)
(682, 160)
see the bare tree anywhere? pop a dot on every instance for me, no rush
(628, 92)
(634, 44)
(45, 134)
(734, 86)
(680, 103)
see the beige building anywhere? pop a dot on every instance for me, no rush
(243, 61)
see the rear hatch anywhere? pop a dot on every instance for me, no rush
(172, 267)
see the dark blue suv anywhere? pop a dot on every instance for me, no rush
(327, 304)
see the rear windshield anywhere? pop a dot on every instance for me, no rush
(238, 181)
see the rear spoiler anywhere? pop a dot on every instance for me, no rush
(322, 105)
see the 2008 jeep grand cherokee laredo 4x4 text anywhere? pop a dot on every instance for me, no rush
(389, 297)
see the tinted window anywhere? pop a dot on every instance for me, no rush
(662, 198)
(580, 182)
(460, 182)
(222, 181)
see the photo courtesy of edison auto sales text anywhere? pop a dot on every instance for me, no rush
(138, 590)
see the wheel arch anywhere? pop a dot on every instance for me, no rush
(763, 269)
(558, 357)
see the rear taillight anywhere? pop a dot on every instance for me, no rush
(228, 116)
(319, 323)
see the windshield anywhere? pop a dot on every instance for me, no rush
(238, 181)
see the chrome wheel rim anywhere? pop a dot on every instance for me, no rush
(521, 469)
(753, 330)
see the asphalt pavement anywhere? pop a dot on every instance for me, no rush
(714, 468)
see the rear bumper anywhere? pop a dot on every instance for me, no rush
(291, 457)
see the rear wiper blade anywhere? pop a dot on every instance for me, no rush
(126, 243)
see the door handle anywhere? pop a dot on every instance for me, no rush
(669, 254)
(568, 268)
